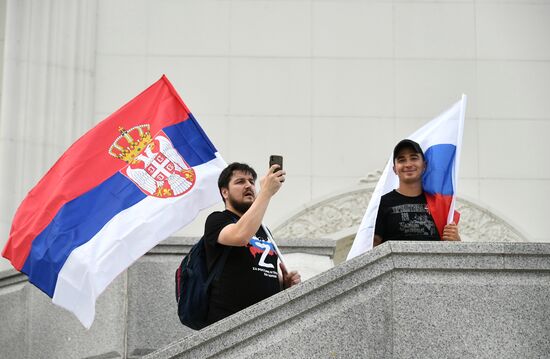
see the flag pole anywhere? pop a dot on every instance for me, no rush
(456, 167)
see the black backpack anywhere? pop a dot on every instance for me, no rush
(193, 285)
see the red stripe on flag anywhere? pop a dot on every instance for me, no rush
(87, 163)
(439, 206)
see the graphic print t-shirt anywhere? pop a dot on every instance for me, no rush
(405, 218)
(250, 272)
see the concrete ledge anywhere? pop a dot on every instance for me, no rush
(136, 315)
(403, 299)
(324, 247)
(10, 277)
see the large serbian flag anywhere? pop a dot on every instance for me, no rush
(127, 184)
(441, 141)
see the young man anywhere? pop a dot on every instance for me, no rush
(403, 213)
(251, 271)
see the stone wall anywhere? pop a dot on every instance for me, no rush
(136, 315)
(402, 300)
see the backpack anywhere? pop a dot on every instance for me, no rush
(193, 285)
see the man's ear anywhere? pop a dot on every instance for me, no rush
(394, 171)
(224, 193)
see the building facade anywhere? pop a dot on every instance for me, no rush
(331, 85)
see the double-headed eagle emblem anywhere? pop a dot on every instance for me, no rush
(154, 165)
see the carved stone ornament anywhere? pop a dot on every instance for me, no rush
(346, 210)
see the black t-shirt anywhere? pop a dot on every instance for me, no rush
(405, 218)
(250, 272)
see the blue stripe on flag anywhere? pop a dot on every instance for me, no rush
(438, 175)
(75, 224)
(191, 142)
(80, 219)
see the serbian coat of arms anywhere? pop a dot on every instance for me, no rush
(153, 164)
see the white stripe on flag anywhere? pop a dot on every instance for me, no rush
(130, 234)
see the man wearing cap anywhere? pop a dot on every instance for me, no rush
(403, 213)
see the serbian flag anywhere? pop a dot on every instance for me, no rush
(130, 182)
(441, 141)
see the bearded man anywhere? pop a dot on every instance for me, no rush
(251, 271)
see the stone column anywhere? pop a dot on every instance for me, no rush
(47, 92)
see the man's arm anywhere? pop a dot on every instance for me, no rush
(238, 234)
(379, 226)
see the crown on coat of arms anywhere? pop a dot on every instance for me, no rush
(130, 143)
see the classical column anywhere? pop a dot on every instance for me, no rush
(47, 92)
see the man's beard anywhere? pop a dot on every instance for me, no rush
(240, 207)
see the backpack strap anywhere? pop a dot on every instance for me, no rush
(218, 267)
(220, 262)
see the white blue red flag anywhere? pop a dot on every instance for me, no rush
(127, 184)
(441, 141)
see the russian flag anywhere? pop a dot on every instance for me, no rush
(127, 184)
(441, 141)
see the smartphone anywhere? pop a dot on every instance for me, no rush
(276, 160)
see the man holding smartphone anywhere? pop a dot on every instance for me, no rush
(251, 270)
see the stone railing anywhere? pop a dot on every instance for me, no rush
(136, 315)
(401, 300)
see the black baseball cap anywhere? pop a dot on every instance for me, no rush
(410, 144)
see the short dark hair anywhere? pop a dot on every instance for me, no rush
(227, 173)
